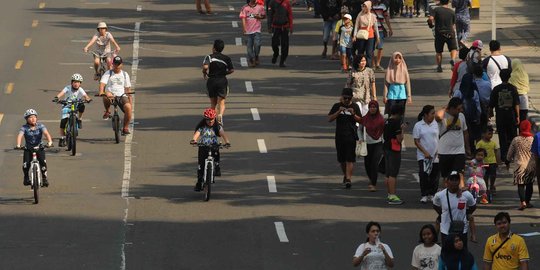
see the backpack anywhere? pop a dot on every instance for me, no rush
(280, 14)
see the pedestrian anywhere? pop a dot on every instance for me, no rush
(495, 63)
(535, 150)
(492, 158)
(463, 20)
(424, 4)
(373, 125)
(444, 19)
(366, 33)
(409, 6)
(484, 92)
(397, 83)
(505, 100)
(206, 6)
(505, 250)
(330, 12)
(453, 139)
(216, 67)
(347, 114)
(380, 8)
(393, 138)
(336, 35)
(373, 254)
(354, 6)
(475, 54)
(426, 139)
(458, 71)
(455, 256)
(251, 15)
(362, 81)
(345, 42)
(472, 108)
(525, 171)
(280, 25)
(454, 206)
(426, 254)
(520, 79)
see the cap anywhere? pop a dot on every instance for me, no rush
(478, 44)
(347, 92)
(348, 16)
(117, 60)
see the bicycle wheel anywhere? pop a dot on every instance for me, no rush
(73, 137)
(116, 127)
(35, 183)
(208, 175)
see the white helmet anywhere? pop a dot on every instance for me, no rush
(77, 77)
(30, 112)
(101, 25)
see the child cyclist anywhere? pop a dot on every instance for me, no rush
(72, 92)
(207, 132)
(32, 132)
(103, 40)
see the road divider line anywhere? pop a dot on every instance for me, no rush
(238, 41)
(139, 8)
(280, 229)
(249, 86)
(243, 62)
(19, 64)
(1, 117)
(9, 88)
(41, 5)
(231, 8)
(27, 42)
(271, 183)
(262, 146)
(35, 23)
(234, 24)
(255, 114)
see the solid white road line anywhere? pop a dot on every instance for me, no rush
(234, 24)
(262, 146)
(271, 183)
(255, 114)
(238, 41)
(249, 86)
(243, 61)
(280, 229)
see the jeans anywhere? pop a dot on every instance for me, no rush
(253, 45)
(371, 161)
(328, 29)
(365, 47)
(280, 37)
(428, 183)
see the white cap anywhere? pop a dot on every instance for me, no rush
(348, 16)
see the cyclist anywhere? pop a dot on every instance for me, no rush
(207, 133)
(116, 84)
(72, 92)
(103, 40)
(32, 132)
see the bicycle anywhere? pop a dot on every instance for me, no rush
(209, 167)
(34, 172)
(103, 62)
(115, 117)
(72, 127)
(475, 183)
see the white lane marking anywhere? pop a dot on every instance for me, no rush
(79, 40)
(1, 117)
(280, 229)
(271, 183)
(231, 8)
(243, 61)
(127, 29)
(238, 41)
(234, 24)
(249, 86)
(255, 113)
(262, 146)
(139, 8)
(416, 177)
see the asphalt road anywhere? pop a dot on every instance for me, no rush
(132, 205)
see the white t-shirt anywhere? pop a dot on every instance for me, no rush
(493, 70)
(452, 142)
(459, 208)
(117, 83)
(375, 259)
(429, 138)
(426, 258)
(70, 95)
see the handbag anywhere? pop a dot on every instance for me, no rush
(361, 146)
(395, 145)
(364, 33)
(456, 226)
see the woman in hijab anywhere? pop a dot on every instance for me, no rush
(366, 21)
(373, 123)
(362, 81)
(525, 172)
(397, 84)
(454, 255)
(520, 79)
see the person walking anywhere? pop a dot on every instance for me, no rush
(373, 254)
(397, 83)
(347, 114)
(426, 139)
(280, 25)
(495, 63)
(345, 42)
(362, 81)
(492, 158)
(251, 16)
(463, 20)
(520, 79)
(455, 255)
(444, 20)
(458, 71)
(330, 12)
(505, 250)
(206, 6)
(373, 125)
(380, 8)
(366, 33)
(472, 108)
(525, 171)
(393, 138)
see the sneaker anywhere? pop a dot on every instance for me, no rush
(348, 184)
(106, 115)
(394, 199)
(282, 64)
(484, 200)
(274, 59)
(257, 62)
(439, 69)
(97, 76)
(372, 188)
(424, 199)
(218, 171)
(198, 186)
(430, 198)
(62, 142)
(79, 123)
(452, 63)
(251, 63)
(45, 182)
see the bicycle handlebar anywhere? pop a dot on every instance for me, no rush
(220, 145)
(68, 102)
(103, 55)
(40, 146)
(104, 95)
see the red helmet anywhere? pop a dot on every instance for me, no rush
(209, 113)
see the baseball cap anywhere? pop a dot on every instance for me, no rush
(348, 16)
(478, 44)
(117, 60)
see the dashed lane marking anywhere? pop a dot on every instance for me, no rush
(19, 64)
(234, 24)
(271, 183)
(231, 8)
(243, 61)
(280, 229)
(262, 146)
(9, 88)
(249, 86)
(27, 42)
(238, 41)
(35, 23)
(255, 114)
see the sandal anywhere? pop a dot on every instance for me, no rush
(125, 131)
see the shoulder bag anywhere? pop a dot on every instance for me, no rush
(364, 33)
(456, 226)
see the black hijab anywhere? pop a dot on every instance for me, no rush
(452, 257)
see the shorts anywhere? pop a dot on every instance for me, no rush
(345, 51)
(408, 3)
(121, 101)
(449, 163)
(392, 162)
(449, 40)
(381, 40)
(217, 87)
(346, 150)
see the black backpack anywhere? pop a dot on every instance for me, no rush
(280, 14)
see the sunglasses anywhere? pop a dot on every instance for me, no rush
(347, 97)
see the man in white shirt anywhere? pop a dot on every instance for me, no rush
(115, 84)
(496, 62)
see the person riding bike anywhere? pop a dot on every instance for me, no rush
(207, 133)
(72, 92)
(33, 132)
(116, 84)
(103, 40)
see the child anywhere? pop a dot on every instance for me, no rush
(454, 254)
(103, 41)
(207, 133)
(32, 132)
(345, 42)
(426, 255)
(337, 30)
(475, 175)
(72, 92)
(409, 4)
(492, 159)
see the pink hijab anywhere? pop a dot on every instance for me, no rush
(397, 73)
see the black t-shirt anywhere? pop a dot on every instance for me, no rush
(218, 64)
(504, 98)
(392, 128)
(345, 123)
(445, 19)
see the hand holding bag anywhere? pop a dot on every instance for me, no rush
(364, 33)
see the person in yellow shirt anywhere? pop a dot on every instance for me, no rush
(505, 250)
(492, 158)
